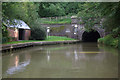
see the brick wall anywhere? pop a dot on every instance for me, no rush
(27, 34)
(13, 33)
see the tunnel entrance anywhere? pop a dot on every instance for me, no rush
(91, 36)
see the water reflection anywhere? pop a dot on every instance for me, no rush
(48, 55)
(15, 65)
(84, 60)
(16, 61)
(76, 55)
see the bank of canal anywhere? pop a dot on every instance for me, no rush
(80, 60)
(37, 43)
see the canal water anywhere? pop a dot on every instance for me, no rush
(80, 60)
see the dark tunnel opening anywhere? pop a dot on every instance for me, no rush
(91, 36)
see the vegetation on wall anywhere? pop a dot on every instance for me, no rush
(57, 29)
(89, 14)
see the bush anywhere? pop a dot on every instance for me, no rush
(5, 39)
(115, 43)
(101, 40)
(38, 33)
(109, 40)
(4, 31)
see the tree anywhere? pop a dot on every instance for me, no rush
(88, 13)
(110, 11)
(53, 9)
(71, 8)
(26, 11)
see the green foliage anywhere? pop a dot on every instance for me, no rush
(5, 39)
(88, 10)
(109, 40)
(58, 21)
(116, 32)
(5, 35)
(110, 11)
(38, 33)
(26, 11)
(72, 8)
(101, 40)
(57, 29)
(58, 38)
(88, 13)
(115, 43)
(53, 9)
(4, 31)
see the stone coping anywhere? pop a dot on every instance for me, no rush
(27, 44)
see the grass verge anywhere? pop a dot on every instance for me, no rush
(59, 21)
(50, 38)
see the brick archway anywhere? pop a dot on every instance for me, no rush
(91, 36)
(100, 31)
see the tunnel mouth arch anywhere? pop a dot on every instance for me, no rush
(91, 36)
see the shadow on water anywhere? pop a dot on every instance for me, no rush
(81, 60)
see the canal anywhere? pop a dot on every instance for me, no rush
(80, 60)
